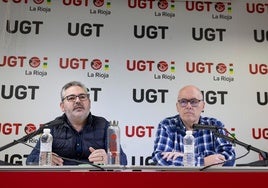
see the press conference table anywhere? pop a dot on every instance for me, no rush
(132, 176)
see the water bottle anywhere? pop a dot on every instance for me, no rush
(188, 155)
(113, 143)
(45, 156)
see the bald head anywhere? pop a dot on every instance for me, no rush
(190, 105)
(190, 91)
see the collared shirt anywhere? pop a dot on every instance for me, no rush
(169, 137)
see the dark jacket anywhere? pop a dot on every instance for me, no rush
(73, 145)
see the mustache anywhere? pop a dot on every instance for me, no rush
(78, 106)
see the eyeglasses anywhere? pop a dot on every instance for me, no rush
(72, 98)
(194, 102)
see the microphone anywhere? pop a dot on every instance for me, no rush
(55, 122)
(206, 127)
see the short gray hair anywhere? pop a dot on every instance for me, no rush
(70, 84)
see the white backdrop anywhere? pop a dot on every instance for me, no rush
(147, 52)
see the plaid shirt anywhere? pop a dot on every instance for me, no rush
(169, 137)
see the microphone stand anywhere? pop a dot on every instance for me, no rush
(264, 154)
(57, 121)
(33, 134)
(23, 139)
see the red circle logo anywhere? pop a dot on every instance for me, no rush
(38, 1)
(29, 128)
(163, 4)
(98, 3)
(34, 62)
(221, 68)
(162, 66)
(219, 7)
(96, 64)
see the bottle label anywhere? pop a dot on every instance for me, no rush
(188, 148)
(113, 143)
(46, 147)
(113, 148)
(113, 139)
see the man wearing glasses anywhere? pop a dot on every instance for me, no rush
(209, 149)
(81, 137)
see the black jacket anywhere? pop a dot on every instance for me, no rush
(73, 146)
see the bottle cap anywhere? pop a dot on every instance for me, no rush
(46, 130)
(189, 132)
(114, 123)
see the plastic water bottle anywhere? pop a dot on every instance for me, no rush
(45, 157)
(113, 143)
(188, 143)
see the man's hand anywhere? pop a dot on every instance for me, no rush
(98, 156)
(56, 160)
(171, 155)
(214, 159)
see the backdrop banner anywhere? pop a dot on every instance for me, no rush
(134, 56)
